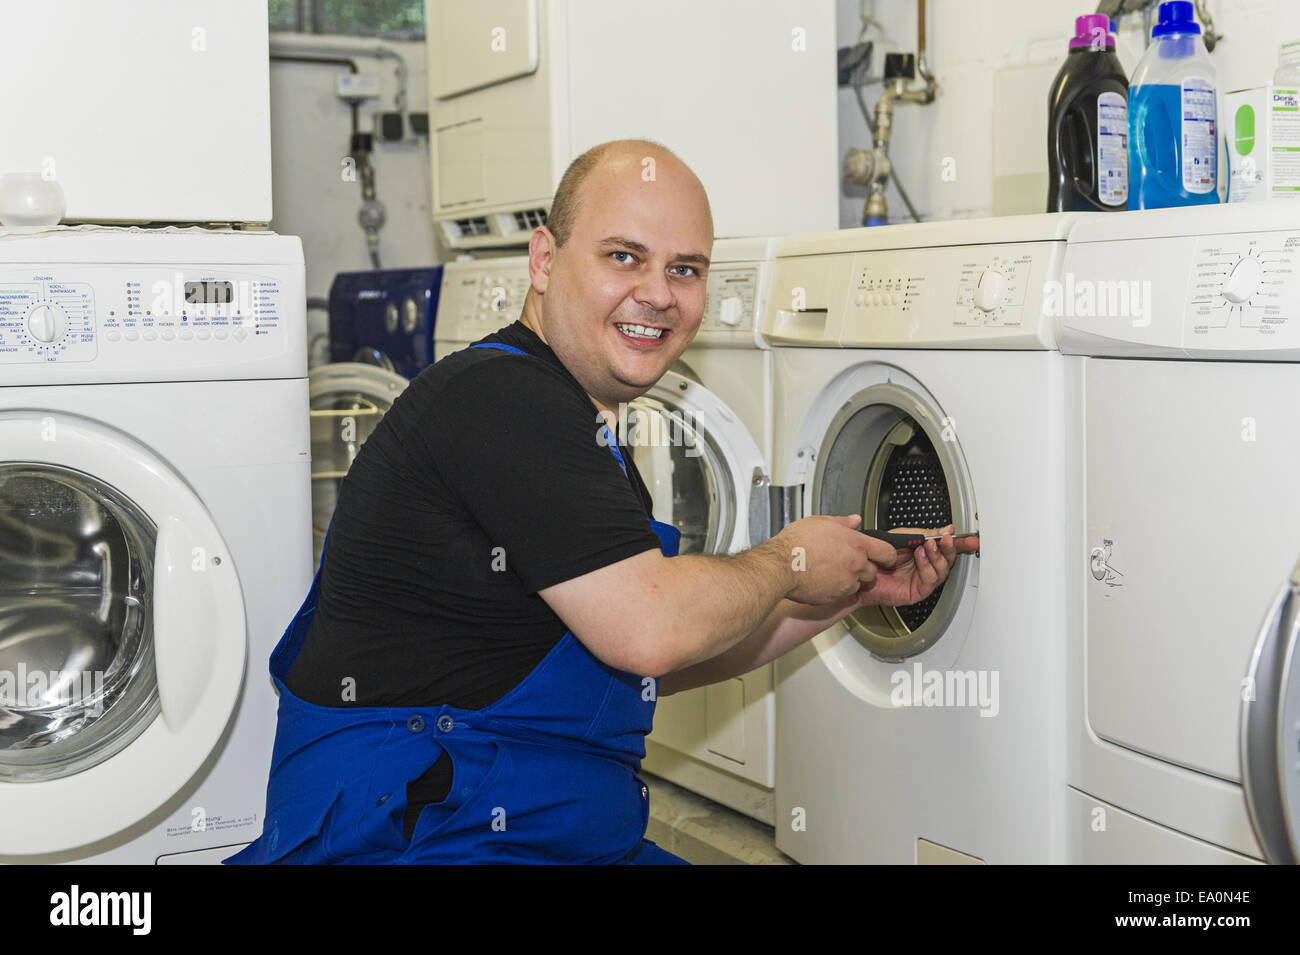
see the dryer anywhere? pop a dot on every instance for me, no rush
(916, 383)
(1183, 409)
(154, 535)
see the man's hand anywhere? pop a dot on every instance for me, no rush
(917, 573)
(830, 558)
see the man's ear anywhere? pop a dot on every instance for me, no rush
(541, 253)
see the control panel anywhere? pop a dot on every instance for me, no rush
(480, 296)
(1244, 289)
(84, 313)
(959, 295)
(731, 303)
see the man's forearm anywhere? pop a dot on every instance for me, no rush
(788, 625)
(721, 600)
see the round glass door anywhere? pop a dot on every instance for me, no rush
(697, 461)
(885, 458)
(123, 637)
(77, 676)
(348, 400)
(685, 472)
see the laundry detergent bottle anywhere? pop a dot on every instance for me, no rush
(1087, 129)
(1172, 119)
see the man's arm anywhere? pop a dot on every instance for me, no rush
(912, 578)
(786, 627)
(652, 615)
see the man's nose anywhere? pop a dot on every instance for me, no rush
(653, 290)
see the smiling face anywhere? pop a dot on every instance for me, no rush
(619, 302)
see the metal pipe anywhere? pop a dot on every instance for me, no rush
(379, 52)
(329, 61)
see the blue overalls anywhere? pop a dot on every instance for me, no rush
(547, 773)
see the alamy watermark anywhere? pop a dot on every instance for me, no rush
(957, 688)
(649, 428)
(1084, 298)
(35, 689)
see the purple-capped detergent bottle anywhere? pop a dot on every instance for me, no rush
(1087, 132)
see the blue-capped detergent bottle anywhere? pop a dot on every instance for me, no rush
(1172, 115)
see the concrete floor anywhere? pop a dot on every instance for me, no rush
(705, 833)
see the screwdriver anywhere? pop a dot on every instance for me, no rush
(908, 541)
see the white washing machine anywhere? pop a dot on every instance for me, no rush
(917, 385)
(717, 740)
(1184, 417)
(154, 535)
(479, 296)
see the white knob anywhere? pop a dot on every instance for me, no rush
(989, 289)
(47, 323)
(729, 312)
(1243, 282)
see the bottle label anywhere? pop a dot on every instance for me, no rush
(1200, 142)
(1112, 148)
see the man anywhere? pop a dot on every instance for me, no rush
(497, 611)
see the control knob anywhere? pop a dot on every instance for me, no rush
(730, 311)
(47, 323)
(1243, 282)
(989, 290)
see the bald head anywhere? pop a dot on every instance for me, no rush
(642, 158)
(619, 272)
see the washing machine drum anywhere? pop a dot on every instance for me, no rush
(77, 676)
(884, 458)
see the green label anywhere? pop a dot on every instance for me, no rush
(1244, 129)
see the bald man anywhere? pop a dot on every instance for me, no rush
(476, 668)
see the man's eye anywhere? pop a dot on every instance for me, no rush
(689, 268)
(628, 254)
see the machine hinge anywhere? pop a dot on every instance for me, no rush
(772, 507)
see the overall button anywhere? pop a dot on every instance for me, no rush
(644, 792)
(415, 724)
(445, 723)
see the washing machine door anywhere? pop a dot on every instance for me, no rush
(1270, 729)
(702, 467)
(348, 400)
(888, 456)
(122, 632)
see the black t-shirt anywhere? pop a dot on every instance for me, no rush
(483, 484)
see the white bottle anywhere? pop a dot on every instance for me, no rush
(1288, 66)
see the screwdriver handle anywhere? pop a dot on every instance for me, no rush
(897, 541)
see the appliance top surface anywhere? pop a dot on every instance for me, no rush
(1045, 227)
(744, 250)
(1186, 221)
(101, 245)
